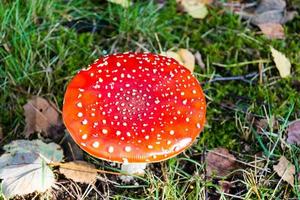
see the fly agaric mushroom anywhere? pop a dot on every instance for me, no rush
(134, 108)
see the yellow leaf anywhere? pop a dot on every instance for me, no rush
(194, 8)
(187, 58)
(172, 54)
(183, 56)
(282, 63)
(123, 3)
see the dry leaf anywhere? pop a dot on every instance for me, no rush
(22, 179)
(225, 186)
(265, 124)
(267, 11)
(24, 169)
(282, 63)
(219, 162)
(40, 115)
(294, 133)
(285, 170)
(79, 171)
(272, 30)
(187, 58)
(172, 54)
(183, 56)
(199, 60)
(123, 3)
(195, 8)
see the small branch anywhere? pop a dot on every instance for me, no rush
(242, 63)
(71, 167)
(234, 78)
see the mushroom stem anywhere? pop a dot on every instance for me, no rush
(134, 168)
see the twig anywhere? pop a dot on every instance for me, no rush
(234, 78)
(89, 170)
(242, 63)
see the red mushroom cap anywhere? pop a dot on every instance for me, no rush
(134, 107)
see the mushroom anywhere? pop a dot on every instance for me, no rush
(134, 108)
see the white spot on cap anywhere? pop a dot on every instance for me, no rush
(104, 131)
(194, 91)
(100, 80)
(198, 125)
(84, 136)
(147, 137)
(172, 132)
(118, 132)
(96, 144)
(187, 119)
(150, 147)
(184, 102)
(118, 64)
(79, 105)
(110, 149)
(127, 148)
(79, 114)
(84, 122)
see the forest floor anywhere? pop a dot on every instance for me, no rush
(249, 105)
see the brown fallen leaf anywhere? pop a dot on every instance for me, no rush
(268, 15)
(265, 124)
(40, 116)
(272, 30)
(219, 162)
(285, 170)
(293, 132)
(225, 186)
(79, 171)
(266, 11)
